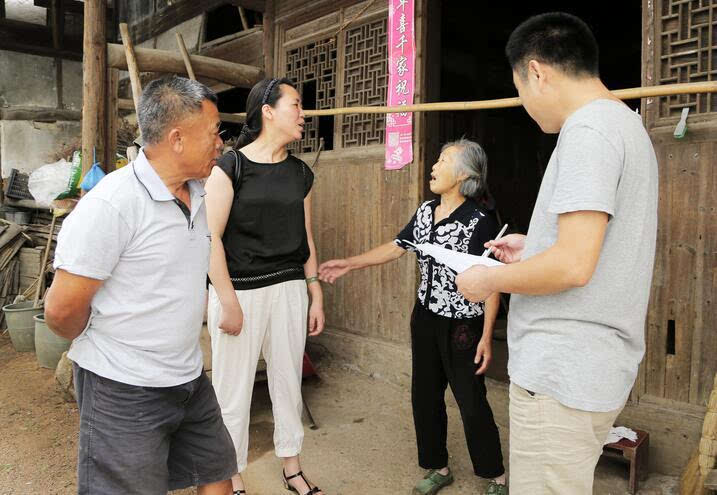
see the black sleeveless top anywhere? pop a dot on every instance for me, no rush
(265, 237)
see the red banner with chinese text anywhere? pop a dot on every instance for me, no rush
(401, 82)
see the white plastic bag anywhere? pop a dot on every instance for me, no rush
(49, 181)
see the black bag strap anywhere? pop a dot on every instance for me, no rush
(237, 170)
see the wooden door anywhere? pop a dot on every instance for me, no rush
(680, 45)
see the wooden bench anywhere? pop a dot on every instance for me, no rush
(636, 454)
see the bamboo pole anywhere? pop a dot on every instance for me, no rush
(131, 66)
(185, 56)
(624, 94)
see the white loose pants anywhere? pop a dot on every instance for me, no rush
(275, 324)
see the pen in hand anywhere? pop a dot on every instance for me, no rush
(500, 234)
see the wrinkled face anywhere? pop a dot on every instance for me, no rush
(537, 100)
(443, 172)
(201, 144)
(287, 115)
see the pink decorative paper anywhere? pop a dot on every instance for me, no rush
(401, 82)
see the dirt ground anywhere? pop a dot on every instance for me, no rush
(364, 442)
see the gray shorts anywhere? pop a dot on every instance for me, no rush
(148, 440)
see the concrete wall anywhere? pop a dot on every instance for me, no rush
(38, 85)
(27, 145)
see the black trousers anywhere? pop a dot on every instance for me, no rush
(443, 353)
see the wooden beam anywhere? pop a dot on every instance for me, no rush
(94, 74)
(71, 6)
(206, 47)
(180, 11)
(236, 118)
(268, 48)
(150, 60)
(256, 5)
(35, 39)
(39, 114)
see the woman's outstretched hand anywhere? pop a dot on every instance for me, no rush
(508, 249)
(330, 271)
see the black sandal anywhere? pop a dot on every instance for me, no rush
(239, 492)
(312, 491)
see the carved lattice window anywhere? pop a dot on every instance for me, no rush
(688, 53)
(313, 68)
(365, 82)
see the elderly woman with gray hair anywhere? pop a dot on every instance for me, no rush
(450, 336)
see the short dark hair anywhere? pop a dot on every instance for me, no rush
(555, 38)
(166, 101)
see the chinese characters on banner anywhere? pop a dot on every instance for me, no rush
(401, 82)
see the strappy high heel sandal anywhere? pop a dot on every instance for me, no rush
(239, 492)
(285, 478)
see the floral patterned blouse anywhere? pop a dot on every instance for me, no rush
(464, 230)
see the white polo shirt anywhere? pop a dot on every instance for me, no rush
(153, 255)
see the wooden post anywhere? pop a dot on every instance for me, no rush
(185, 56)
(131, 66)
(94, 73)
(244, 21)
(269, 38)
(57, 14)
(112, 116)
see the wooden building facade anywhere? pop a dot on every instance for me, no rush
(336, 51)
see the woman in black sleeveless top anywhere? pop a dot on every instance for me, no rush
(262, 260)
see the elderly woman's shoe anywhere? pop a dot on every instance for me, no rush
(432, 483)
(496, 489)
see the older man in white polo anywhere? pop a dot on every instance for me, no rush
(131, 266)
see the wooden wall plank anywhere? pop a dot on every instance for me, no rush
(681, 249)
(704, 363)
(358, 204)
(685, 267)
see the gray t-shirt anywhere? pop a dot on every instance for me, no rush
(583, 346)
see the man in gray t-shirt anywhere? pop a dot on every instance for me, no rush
(581, 278)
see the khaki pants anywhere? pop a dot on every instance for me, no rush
(553, 448)
(275, 326)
